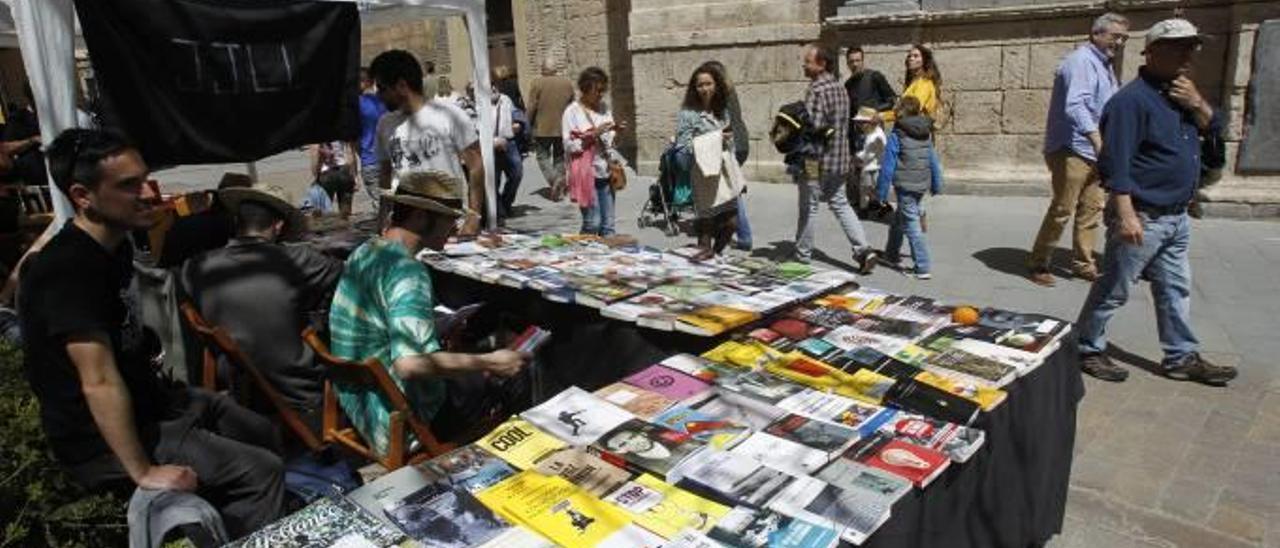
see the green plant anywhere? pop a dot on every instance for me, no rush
(42, 507)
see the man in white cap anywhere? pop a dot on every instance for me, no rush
(1154, 131)
(264, 292)
(383, 309)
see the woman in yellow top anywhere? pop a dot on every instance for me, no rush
(923, 81)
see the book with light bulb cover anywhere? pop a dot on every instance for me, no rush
(919, 465)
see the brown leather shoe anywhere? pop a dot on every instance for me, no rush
(1042, 277)
(1090, 275)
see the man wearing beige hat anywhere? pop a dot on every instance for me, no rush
(383, 309)
(264, 292)
(1157, 134)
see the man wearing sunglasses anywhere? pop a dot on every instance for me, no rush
(1157, 133)
(113, 422)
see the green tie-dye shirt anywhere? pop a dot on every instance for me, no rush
(383, 309)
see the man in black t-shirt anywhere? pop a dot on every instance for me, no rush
(111, 420)
(866, 87)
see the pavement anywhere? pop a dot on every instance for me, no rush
(1158, 463)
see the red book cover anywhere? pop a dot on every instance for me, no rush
(919, 465)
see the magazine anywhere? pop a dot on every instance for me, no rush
(321, 524)
(670, 383)
(663, 508)
(519, 442)
(750, 528)
(583, 469)
(438, 515)
(640, 402)
(718, 433)
(576, 416)
(470, 468)
(644, 447)
(855, 515)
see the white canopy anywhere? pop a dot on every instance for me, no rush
(46, 32)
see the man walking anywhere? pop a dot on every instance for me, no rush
(1152, 131)
(866, 87)
(371, 110)
(823, 174)
(1085, 80)
(549, 95)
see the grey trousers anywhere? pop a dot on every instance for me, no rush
(829, 190)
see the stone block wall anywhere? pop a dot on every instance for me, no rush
(758, 41)
(426, 39)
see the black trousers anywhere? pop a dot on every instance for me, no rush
(233, 451)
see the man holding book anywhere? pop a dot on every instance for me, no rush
(383, 309)
(1154, 133)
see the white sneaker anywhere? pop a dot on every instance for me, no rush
(922, 276)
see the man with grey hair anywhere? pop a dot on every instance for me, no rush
(549, 95)
(1084, 81)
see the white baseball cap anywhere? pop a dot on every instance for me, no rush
(1172, 29)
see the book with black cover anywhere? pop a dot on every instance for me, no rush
(441, 516)
(917, 397)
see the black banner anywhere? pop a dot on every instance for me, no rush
(206, 81)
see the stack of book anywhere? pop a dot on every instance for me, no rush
(649, 287)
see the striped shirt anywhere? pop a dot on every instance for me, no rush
(828, 106)
(383, 309)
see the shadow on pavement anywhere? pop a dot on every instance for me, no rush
(784, 250)
(1013, 261)
(1121, 355)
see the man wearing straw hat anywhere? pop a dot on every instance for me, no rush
(383, 309)
(263, 292)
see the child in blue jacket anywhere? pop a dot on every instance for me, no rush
(911, 167)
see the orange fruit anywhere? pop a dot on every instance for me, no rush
(965, 315)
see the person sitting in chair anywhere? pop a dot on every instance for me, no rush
(383, 309)
(263, 292)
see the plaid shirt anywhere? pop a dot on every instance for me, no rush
(828, 106)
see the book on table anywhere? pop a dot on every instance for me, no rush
(442, 516)
(919, 465)
(957, 442)
(325, 522)
(731, 479)
(470, 468)
(663, 508)
(583, 469)
(670, 383)
(577, 416)
(642, 403)
(519, 443)
(783, 454)
(854, 514)
(755, 528)
(563, 512)
(830, 438)
(644, 447)
(716, 432)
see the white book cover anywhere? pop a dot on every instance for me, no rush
(577, 416)
(852, 514)
(691, 538)
(878, 484)
(847, 337)
(632, 536)
(388, 489)
(785, 455)
(738, 478)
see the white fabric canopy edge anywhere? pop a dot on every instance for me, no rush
(46, 37)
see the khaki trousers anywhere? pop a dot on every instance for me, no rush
(1078, 194)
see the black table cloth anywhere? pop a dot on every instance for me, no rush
(1011, 494)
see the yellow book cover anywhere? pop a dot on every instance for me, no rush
(750, 355)
(713, 320)
(554, 508)
(986, 397)
(664, 508)
(519, 443)
(869, 386)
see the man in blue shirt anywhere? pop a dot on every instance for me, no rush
(1150, 162)
(1085, 80)
(371, 110)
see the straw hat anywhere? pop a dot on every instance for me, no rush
(272, 196)
(422, 190)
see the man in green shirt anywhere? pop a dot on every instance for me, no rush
(383, 309)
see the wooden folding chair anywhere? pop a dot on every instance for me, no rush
(215, 337)
(371, 373)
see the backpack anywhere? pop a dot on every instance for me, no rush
(791, 126)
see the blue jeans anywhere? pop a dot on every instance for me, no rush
(598, 219)
(511, 165)
(1162, 257)
(831, 191)
(906, 221)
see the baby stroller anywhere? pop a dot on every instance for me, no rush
(669, 198)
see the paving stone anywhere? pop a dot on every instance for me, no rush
(1238, 521)
(1190, 498)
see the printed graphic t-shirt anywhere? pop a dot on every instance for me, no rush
(428, 140)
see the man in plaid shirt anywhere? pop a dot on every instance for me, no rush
(822, 178)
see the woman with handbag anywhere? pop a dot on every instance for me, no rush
(595, 168)
(704, 112)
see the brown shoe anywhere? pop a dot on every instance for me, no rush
(1089, 275)
(1100, 367)
(1042, 277)
(1195, 368)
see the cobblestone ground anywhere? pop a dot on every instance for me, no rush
(1158, 463)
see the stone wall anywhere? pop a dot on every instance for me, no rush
(759, 42)
(579, 34)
